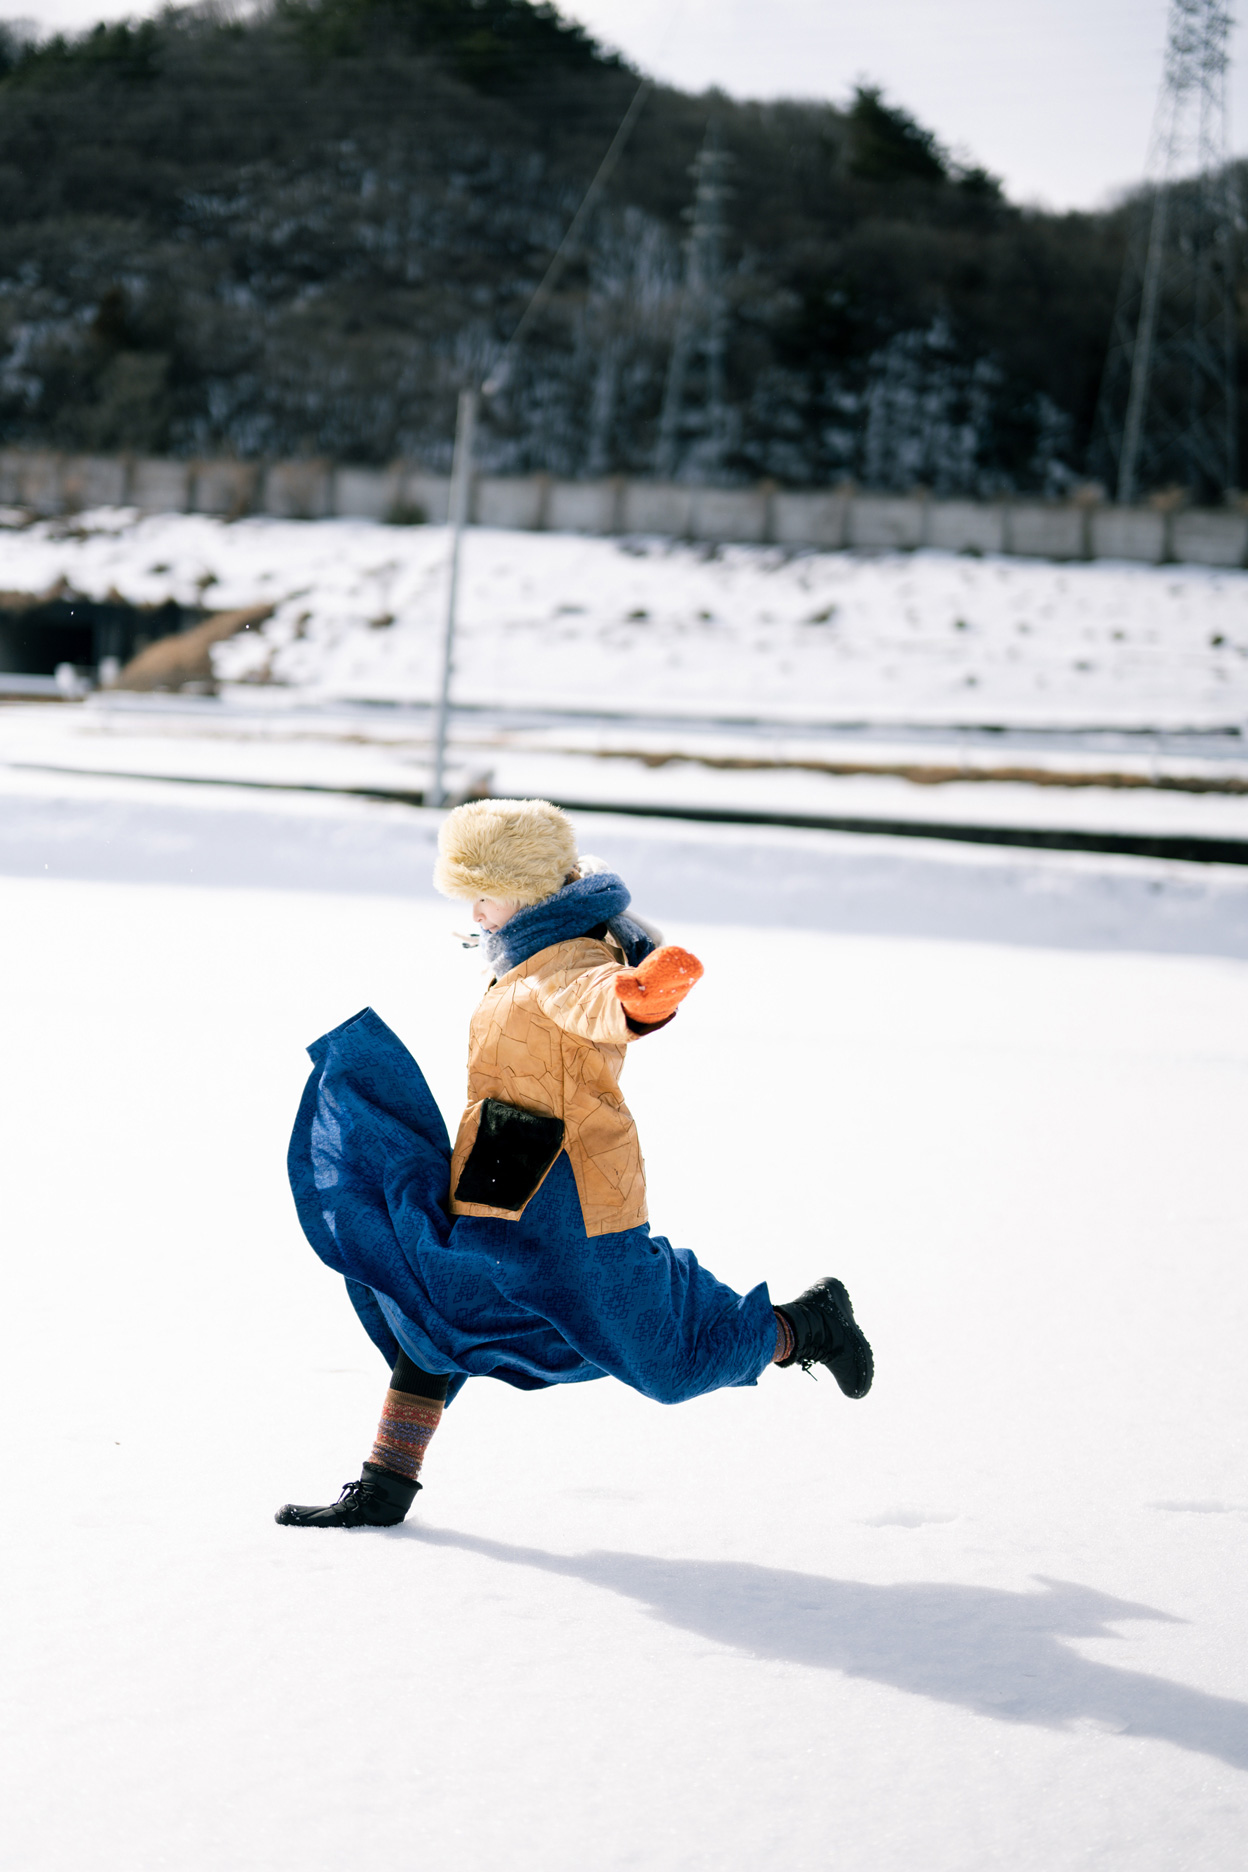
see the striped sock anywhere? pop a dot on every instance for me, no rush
(784, 1338)
(407, 1423)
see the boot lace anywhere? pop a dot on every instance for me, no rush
(826, 1334)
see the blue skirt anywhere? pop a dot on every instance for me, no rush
(533, 1302)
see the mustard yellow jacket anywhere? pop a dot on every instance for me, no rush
(549, 1037)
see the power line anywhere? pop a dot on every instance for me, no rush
(466, 426)
(567, 246)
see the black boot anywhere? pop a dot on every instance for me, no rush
(825, 1332)
(378, 1499)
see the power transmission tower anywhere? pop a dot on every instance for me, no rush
(1167, 412)
(702, 318)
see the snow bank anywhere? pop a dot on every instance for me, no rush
(559, 620)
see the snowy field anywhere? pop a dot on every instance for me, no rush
(554, 620)
(1086, 699)
(991, 1617)
(1179, 785)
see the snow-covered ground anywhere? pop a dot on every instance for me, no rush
(990, 1617)
(72, 826)
(554, 620)
(681, 767)
(1088, 699)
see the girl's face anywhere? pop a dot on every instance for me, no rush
(492, 912)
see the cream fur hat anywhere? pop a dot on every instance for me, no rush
(519, 850)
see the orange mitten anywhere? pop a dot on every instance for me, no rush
(658, 985)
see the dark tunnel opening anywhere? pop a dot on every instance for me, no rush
(38, 635)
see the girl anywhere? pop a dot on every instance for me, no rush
(524, 1254)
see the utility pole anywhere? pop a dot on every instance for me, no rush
(1167, 411)
(460, 498)
(702, 316)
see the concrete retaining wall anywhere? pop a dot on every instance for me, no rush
(585, 506)
(425, 497)
(518, 501)
(810, 520)
(1215, 539)
(885, 523)
(966, 526)
(1046, 530)
(656, 507)
(159, 486)
(93, 481)
(369, 493)
(225, 487)
(300, 490)
(729, 514)
(46, 483)
(1128, 533)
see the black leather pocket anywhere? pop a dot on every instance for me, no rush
(511, 1154)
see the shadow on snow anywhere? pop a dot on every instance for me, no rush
(994, 1652)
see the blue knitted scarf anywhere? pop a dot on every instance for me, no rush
(573, 911)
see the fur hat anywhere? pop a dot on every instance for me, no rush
(518, 850)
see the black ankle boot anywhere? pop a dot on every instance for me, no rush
(825, 1332)
(378, 1499)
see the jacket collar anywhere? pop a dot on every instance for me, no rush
(573, 911)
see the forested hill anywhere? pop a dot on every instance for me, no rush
(300, 232)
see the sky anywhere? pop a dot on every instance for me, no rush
(1054, 96)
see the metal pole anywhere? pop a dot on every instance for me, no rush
(461, 487)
